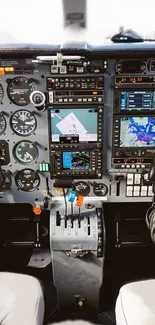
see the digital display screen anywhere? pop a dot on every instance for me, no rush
(135, 80)
(72, 122)
(76, 160)
(132, 66)
(137, 132)
(137, 100)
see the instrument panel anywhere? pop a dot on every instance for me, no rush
(90, 122)
(22, 136)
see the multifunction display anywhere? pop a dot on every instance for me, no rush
(128, 100)
(137, 131)
(74, 125)
(133, 141)
(76, 160)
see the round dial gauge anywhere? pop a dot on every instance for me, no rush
(1, 93)
(19, 90)
(23, 122)
(27, 180)
(82, 188)
(2, 124)
(26, 152)
(7, 181)
(37, 98)
(100, 189)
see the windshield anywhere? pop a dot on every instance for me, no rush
(34, 21)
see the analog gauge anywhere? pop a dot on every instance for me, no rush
(19, 90)
(82, 188)
(7, 181)
(1, 93)
(2, 124)
(27, 180)
(26, 152)
(100, 189)
(23, 122)
(37, 98)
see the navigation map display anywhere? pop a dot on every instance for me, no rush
(76, 160)
(137, 100)
(81, 122)
(137, 131)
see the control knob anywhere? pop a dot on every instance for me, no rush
(143, 67)
(37, 98)
(118, 154)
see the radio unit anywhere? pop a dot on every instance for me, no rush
(135, 82)
(76, 164)
(133, 141)
(73, 90)
(134, 100)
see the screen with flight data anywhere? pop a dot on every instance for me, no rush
(76, 160)
(137, 100)
(74, 122)
(137, 131)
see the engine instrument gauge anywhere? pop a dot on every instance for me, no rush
(100, 189)
(23, 122)
(7, 181)
(82, 188)
(37, 98)
(19, 90)
(2, 124)
(27, 180)
(1, 93)
(26, 152)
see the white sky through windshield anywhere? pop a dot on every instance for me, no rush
(42, 21)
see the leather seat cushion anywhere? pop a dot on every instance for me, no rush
(135, 304)
(21, 300)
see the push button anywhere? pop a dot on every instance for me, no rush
(129, 190)
(129, 179)
(137, 179)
